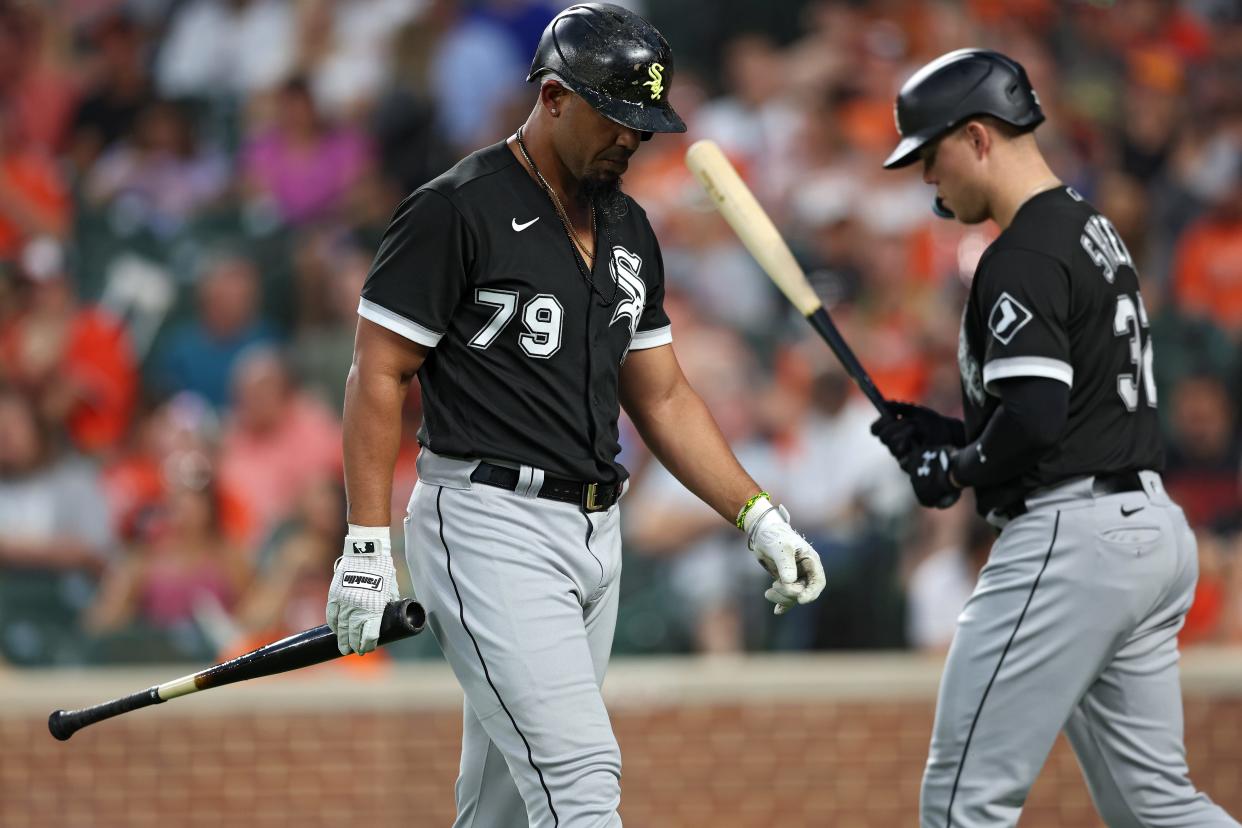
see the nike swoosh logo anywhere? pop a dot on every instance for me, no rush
(1127, 513)
(520, 227)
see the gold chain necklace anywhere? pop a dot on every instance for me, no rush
(580, 248)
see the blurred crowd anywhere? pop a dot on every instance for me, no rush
(191, 192)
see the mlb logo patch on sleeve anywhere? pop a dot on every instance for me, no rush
(1008, 316)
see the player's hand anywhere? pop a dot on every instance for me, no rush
(910, 425)
(928, 467)
(786, 555)
(364, 582)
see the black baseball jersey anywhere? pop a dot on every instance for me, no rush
(1056, 295)
(526, 352)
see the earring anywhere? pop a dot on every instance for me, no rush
(554, 112)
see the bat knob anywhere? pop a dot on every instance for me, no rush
(413, 614)
(58, 726)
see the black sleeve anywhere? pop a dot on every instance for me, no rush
(1026, 298)
(1030, 419)
(421, 269)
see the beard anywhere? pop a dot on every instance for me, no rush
(604, 191)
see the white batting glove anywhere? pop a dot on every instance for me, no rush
(785, 554)
(364, 582)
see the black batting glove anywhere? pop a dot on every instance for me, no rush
(898, 436)
(932, 427)
(928, 468)
(909, 425)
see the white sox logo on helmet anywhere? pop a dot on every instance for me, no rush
(625, 267)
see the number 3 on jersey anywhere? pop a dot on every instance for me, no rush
(1131, 319)
(542, 317)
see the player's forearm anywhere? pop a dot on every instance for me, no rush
(682, 434)
(371, 440)
(1029, 421)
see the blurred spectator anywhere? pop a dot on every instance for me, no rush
(278, 441)
(36, 81)
(184, 570)
(845, 490)
(1204, 453)
(287, 595)
(34, 200)
(477, 54)
(75, 362)
(322, 353)
(118, 88)
(753, 122)
(227, 48)
(302, 165)
(158, 176)
(198, 355)
(710, 572)
(54, 537)
(346, 48)
(709, 264)
(956, 545)
(1217, 609)
(1208, 274)
(178, 441)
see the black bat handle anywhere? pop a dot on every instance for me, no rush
(65, 723)
(401, 619)
(825, 327)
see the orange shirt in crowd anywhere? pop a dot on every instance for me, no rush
(135, 487)
(1208, 272)
(99, 360)
(31, 178)
(96, 357)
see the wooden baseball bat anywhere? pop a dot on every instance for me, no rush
(748, 219)
(402, 619)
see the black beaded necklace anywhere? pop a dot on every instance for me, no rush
(575, 243)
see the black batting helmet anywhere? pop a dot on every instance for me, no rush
(615, 60)
(956, 87)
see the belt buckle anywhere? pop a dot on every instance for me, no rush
(589, 491)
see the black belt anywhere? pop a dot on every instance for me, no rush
(592, 497)
(1101, 485)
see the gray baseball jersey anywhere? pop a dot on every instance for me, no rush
(512, 537)
(1073, 623)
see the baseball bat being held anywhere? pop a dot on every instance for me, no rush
(402, 619)
(752, 225)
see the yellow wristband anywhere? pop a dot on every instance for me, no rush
(741, 516)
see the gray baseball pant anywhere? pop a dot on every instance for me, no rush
(521, 594)
(1073, 625)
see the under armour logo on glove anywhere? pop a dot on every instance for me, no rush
(930, 477)
(928, 456)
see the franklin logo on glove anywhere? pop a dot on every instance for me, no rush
(361, 580)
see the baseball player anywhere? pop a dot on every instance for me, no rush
(1073, 623)
(525, 291)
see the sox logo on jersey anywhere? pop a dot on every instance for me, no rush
(625, 267)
